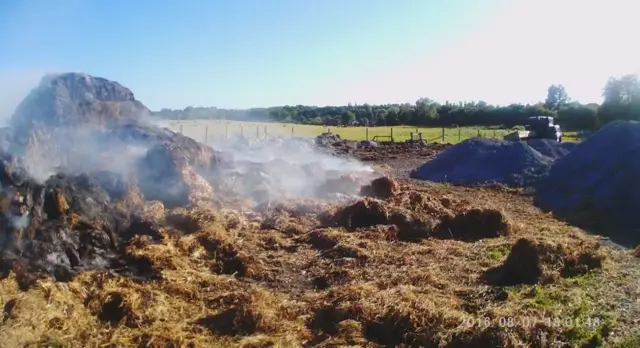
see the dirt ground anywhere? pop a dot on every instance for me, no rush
(408, 264)
(396, 159)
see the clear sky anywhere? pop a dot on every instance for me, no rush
(252, 53)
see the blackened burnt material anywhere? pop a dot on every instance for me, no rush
(59, 227)
(79, 146)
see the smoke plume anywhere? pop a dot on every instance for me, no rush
(277, 168)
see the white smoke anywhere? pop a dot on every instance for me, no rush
(290, 168)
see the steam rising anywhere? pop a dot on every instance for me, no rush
(279, 168)
(75, 150)
(76, 124)
(15, 85)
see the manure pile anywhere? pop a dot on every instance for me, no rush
(82, 162)
(165, 242)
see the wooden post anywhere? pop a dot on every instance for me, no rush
(366, 133)
(443, 134)
(292, 131)
(206, 134)
(494, 133)
(478, 132)
(459, 136)
(392, 136)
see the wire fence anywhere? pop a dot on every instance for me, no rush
(210, 131)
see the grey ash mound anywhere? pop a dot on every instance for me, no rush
(597, 183)
(479, 161)
(71, 99)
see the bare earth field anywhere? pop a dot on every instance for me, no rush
(409, 264)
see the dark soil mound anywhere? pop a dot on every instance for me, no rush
(476, 224)
(597, 184)
(551, 148)
(527, 259)
(532, 262)
(477, 161)
(382, 188)
(363, 213)
(367, 212)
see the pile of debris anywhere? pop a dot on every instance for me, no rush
(79, 163)
(82, 163)
(327, 139)
(597, 183)
(333, 144)
(552, 148)
(478, 161)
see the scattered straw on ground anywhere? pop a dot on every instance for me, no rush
(428, 265)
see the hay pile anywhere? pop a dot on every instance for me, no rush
(374, 272)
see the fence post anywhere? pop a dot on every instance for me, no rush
(443, 134)
(292, 131)
(206, 134)
(494, 133)
(366, 133)
(478, 132)
(393, 141)
(459, 136)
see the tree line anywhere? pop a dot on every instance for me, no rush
(621, 101)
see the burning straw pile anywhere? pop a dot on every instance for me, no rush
(119, 233)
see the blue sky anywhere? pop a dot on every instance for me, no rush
(252, 53)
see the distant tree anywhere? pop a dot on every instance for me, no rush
(623, 90)
(556, 96)
(391, 119)
(621, 102)
(578, 116)
(621, 99)
(348, 117)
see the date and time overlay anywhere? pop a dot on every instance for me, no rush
(530, 322)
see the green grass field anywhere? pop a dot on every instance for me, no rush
(210, 130)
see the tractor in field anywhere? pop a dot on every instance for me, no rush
(537, 127)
